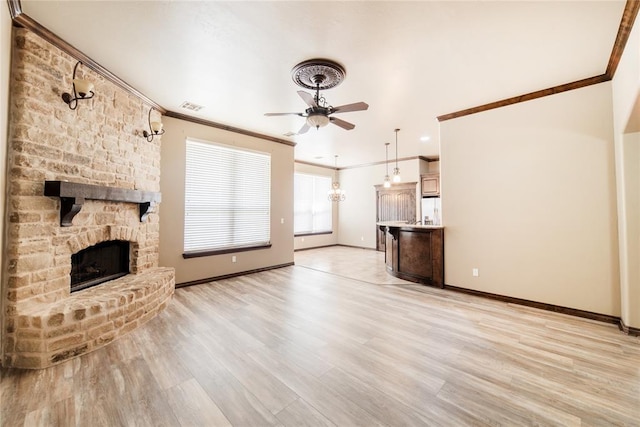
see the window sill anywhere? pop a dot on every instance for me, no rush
(197, 254)
(313, 234)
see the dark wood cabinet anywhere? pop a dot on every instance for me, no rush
(430, 185)
(397, 203)
(415, 253)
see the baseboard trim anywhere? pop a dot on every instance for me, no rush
(629, 330)
(541, 305)
(356, 247)
(315, 247)
(229, 276)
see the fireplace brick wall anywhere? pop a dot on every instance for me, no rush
(99, 143)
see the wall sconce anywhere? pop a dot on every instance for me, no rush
(82, 89)
(154, 127)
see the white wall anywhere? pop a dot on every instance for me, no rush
(528, 198)
(172, 206)
(626, 98)
(305, 242)
(357, 216)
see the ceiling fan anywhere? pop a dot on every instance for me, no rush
(319, 74)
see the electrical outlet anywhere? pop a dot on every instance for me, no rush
(281, 220)
(233, 258)
(302, 239)
(362, 238)
(475, 272)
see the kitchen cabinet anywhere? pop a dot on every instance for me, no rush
(396, 203)
(430, 185)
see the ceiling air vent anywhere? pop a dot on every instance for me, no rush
(191, 106)
(290, 134)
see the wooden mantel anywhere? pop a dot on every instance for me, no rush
(73, 194)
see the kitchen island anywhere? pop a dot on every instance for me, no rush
(414, 252)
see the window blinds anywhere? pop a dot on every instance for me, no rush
(227, 197)
(311, 207)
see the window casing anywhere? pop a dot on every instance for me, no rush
(312, 210)
(227, 203)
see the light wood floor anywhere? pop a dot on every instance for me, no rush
(334, 340)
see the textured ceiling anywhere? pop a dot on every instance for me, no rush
(410, 61)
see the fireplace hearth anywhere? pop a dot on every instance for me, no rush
(99, 263)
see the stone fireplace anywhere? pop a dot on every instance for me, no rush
(98, 145)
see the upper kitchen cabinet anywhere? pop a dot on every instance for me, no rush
(430, 184)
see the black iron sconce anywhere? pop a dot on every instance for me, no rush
(82, 89)
(154, 127)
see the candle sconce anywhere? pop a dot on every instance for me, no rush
(82, 89)
(154, 127)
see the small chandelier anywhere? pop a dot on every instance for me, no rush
(154, 127)
(387, 181)
(336, 194)
(82, 89)
(396, 170)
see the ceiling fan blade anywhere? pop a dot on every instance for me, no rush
(308, 98)
(282, 114)
(356, 106)
(342, 123)
(303, 129)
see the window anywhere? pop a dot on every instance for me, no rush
(311, 207)
(227, 199)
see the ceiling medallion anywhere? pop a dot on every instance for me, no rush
(318, 74)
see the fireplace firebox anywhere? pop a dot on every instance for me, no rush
(99, 263)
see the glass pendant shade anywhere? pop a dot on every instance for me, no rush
(387, 181)
(396, 175)
(396, 170)
(83, 87)
(156, 127)
(317, 120)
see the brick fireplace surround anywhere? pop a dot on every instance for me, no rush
(100, 143)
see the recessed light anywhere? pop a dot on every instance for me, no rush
(425, 138)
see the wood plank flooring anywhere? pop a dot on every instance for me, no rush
(335, 341)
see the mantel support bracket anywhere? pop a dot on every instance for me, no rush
(69, 208)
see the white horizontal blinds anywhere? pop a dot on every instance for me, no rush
(227, 197)
(311, 206)
(302, 203)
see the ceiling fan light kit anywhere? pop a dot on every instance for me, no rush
(317, 120)
(320, 74)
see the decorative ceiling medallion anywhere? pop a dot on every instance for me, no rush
(318, 74)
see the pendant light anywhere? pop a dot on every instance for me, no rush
(396, 170)
(336, 194)
(387, 181)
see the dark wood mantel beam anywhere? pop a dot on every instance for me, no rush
(73, 195)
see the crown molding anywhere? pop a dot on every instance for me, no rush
(234, 129)
(15, 8)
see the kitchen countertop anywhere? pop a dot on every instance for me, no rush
(403, 224)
